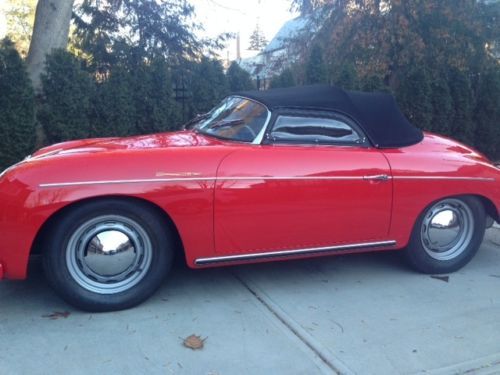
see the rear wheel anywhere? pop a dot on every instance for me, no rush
(108, 255)
(447, 235)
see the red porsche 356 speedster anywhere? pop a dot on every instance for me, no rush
(266, 175)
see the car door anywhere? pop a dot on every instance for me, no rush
(314, 183)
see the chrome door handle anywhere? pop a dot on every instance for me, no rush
(378, 177)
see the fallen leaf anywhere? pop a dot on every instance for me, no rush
(442, 278)
(57, 314)
(194, 342)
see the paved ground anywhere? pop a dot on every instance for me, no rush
(363, 314)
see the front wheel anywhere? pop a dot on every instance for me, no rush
(108, 255)
(447, 235)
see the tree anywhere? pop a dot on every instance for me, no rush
(432, 54)
(315, 67)
(257, 40)
(238, 78)
(50, 31)
(442, 103)
(346, 77)
(20, 16)
(487, 114)
(463, 128)
(207, 85)
(114, 104)
(155, 106)
(66, 99)
(374, 83)
(284, 79)
(17, 120)
(110, 32)
(414, 97)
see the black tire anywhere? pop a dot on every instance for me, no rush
(79, 268)
(427, 256)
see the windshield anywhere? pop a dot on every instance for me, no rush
(235, 118)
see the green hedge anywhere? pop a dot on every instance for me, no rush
(127, 100)
(76, 102)
(17, 111)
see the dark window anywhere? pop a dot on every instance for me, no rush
(313, 130)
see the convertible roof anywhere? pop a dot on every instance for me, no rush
(377, 113)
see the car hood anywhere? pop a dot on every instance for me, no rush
(161, 140)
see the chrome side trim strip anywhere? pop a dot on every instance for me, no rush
(287, 178)
(444, 178)
(290, 253)
(182, 179)
(267, 178)
(113, 182)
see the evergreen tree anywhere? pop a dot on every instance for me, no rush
(449, 44)
(413, 96)
(238, 78)
(17, 120)
(257, 40)
(315, 67)
(347, 78)
(462, 126)
(65, 107)
(284, 79)
(374, 83)
(155, 107)
(487, 114)
(115, 112)
(115, 31)
(208, 85)
(442, 104)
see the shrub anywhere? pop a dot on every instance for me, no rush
(238, 78)
(65, 105)
(17, 117)
(284, 79)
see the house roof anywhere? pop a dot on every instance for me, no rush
(377, 113)
(276, 55)
(290, 29)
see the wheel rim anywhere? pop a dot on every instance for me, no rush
(447, 229)
(109, 254)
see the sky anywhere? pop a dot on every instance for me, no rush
(234, 16)
(241, 16)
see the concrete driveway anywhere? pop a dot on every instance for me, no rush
(362, 314)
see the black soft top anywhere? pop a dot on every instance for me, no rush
(377, 113)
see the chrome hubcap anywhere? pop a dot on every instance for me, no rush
(447, 229)
(109, 254)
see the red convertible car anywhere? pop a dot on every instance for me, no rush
(267, 175)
